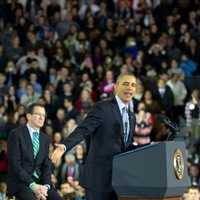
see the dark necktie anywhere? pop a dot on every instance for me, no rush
(70, 171)
(126, 125)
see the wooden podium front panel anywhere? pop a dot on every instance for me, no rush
(171, 198)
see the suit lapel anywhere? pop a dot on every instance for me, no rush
(117, 115)
(28, 141)
(40, 147)
(132, 125)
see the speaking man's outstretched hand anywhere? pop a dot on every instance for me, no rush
(57, 153)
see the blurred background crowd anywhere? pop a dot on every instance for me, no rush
(66, 54)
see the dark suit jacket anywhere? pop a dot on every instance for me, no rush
(21, 162)
(167, 101)
(104, 126)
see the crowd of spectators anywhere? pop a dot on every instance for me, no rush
(66, 55)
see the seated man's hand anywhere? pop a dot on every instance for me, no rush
(39, 191)
(42, 195)
(44, 190)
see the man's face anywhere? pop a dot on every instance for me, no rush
(161, 83)
(125, 88)
(37, 118)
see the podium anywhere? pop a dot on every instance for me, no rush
(154, 172)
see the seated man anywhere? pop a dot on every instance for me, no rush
(29, 167)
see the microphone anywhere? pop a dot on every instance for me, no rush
(164, 119)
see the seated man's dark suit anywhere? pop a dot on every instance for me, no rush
(22, 165)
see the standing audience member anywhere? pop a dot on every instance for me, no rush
(180, 92)
(192, 114)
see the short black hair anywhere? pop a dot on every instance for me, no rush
(30, 108)
(122, 75)
(69, 99)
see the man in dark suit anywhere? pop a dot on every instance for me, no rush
(110, 126)
(29, 169)
(165, 96)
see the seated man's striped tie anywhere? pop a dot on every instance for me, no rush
(36, 146)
